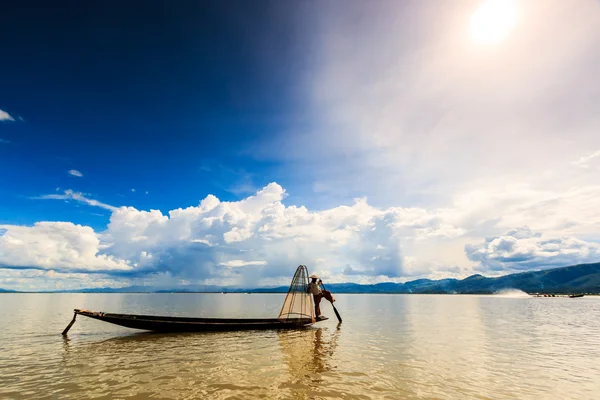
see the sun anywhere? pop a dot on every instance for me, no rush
(493, 21)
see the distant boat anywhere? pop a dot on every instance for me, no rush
(572, 296)
(297, 312)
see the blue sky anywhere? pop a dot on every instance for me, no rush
(427, 140)
(148, 97)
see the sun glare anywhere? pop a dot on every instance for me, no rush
(493, 21)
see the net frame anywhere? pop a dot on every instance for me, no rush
(298, 303)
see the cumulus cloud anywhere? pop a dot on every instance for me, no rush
(77, 196)
(4, 116)
(60, 246)
(248, 241)
(76, 173)
(522, 249)
(259, 239)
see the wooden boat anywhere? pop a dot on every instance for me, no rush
(572, 296)
(185, 324)
(297, 312)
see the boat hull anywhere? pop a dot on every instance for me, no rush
(185, 324)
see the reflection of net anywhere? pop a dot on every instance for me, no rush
(298, 302)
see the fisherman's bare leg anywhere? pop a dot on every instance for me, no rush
(327, 294)
(317, 303)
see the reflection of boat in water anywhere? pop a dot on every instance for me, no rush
(572, 296)
(297, 311)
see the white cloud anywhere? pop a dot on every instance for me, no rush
(242, 263)
(583, 161)
(4, 116)
(56, 245)
(146, 192)
(522, 249)
(250, 241)
(259, 239)
(133, 190)
(77, 196)
(568, 210)
(44, 280)
(76, 173)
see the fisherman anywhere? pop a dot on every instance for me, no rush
(314, 287)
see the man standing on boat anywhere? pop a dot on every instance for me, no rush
(314, 287)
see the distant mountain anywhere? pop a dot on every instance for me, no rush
(7, 291)
(583, 278)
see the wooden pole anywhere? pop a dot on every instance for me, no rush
(337, 314)
(64, 333)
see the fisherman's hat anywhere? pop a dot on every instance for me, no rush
(313, 276)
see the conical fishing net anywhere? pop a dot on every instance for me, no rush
(298, 302)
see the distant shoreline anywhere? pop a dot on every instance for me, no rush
(575, 279)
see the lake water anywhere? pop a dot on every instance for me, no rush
(388, 347)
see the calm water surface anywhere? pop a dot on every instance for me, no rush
(389, 347)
